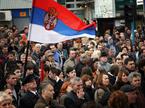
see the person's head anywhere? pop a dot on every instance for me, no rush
(135, 79)
(29, 68)
(47, 92)
(60, 46)
(76, 83)
(103, 57)
(66, 87)
(11, 79)
(5, 100)
(30, 83)
(51, 73)
(87, 80)
(37, 48)
(122, 36)
(123, 75)
(84, 58)
(18, 72)
(124, 50)
(71, 73)
(86, 70)
(103, 79)
(23, 57)
(26, 29)
(72, 53)
(99, 93)
(49, 55)
(129, 64)
(53, 48)
(119, 62)
(114, 70)
(11, 56)
(5, 49)
(130, 91)
(118, 99)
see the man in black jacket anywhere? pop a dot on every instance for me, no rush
(46, 99)
(31, 96)
(72, 99)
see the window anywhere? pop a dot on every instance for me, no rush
(79, 5)
(79, 0)
(61, 1)
(70, 5)
(69, 0)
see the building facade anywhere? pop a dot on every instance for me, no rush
(82, 8)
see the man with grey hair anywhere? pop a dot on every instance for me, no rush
(135, 80)
(71, 100)
(84, 59)
(46, 98)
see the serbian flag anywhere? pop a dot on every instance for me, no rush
(53, 23)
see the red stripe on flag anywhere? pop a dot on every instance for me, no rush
(66, 16)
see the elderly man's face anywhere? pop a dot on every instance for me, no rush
(136, 81)
(48, 92)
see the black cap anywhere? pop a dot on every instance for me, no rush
(28, 79)
(69, 69)
(103, 53)
(127, 88)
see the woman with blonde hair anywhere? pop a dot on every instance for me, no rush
(5, 100)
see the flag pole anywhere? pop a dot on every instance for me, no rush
(29, 42)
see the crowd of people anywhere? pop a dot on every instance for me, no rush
(105, 72)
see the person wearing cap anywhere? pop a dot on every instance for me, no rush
(103, 63)
(49, 59)
(31, 96)
(130, 91)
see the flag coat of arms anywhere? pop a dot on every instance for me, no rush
(53, 23)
